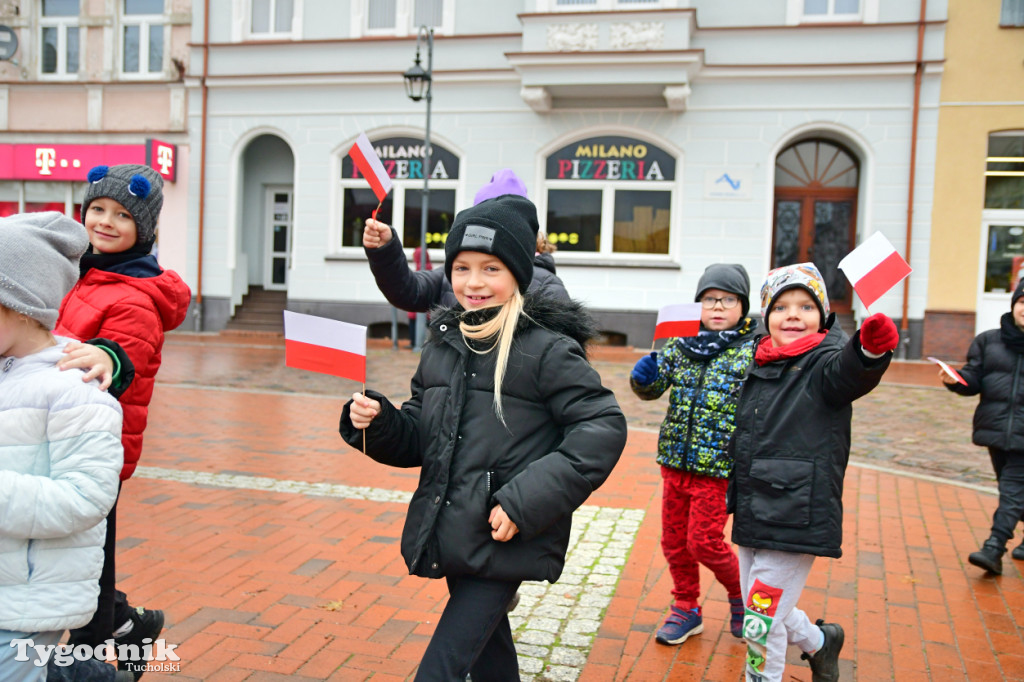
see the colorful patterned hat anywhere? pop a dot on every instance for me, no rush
(803, 275)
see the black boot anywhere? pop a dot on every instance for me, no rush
(825, 661)
(1018, 552)
(989, 557)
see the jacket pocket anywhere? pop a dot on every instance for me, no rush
(781, 491)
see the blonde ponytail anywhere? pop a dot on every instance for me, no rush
(501, 328)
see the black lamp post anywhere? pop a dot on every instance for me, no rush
(418, 85)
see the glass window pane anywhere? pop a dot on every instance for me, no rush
(1005, 255)
(71, 35)
(260, 16)
(381, 14)
(641, 221)
(283, 16)
(1006, 145)
(1004, 191)
(9, 208)
(131, 50)
(815, 6)
(156, 49)
(49, 49)
(280, 238)
(358, 206)
(279, 271)
(60, 8)
(574, 219)
(847, 6)
(428, 13)
(143, 6)
(1012, 14)
(787, 233)
(576, 2)
(440, 215)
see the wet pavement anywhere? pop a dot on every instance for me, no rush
(273, 547)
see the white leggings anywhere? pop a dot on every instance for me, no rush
(772, 582)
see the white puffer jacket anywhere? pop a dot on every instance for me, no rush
(60, 456)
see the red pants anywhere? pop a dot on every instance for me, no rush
(692, 533)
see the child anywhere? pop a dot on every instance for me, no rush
(995, 369)
(791, 446)
(705, 374)
(125, 296)
(60, 451)
(512, 430)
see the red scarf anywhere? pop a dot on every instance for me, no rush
(766, 352)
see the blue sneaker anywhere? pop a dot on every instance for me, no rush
(680, 624)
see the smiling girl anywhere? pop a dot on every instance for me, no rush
(511, 428)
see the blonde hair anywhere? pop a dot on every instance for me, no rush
(501, 328)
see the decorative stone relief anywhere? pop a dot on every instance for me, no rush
(637, 35)
(572, 37)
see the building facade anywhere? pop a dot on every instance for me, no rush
(94, 82)
(655, 136)
(978, 213)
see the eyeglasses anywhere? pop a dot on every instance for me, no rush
(708, 302)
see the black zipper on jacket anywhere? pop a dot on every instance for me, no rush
(689, 419)
(1013, 400)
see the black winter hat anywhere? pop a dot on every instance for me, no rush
(505, 227)
(140, 189)
(731, 277)
(1017, 293)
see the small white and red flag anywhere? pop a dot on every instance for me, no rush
(369, 165)
(327, 346)
(948, 370)
(874, 268)
(678, 319)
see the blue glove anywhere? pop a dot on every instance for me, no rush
(646, 370)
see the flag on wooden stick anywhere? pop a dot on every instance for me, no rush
(327, 346)
(369, 165)
(678, 319)
(874, 268)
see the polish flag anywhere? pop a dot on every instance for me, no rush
(327, 346)
(678, 319)
(369, 165)
(948, 370)
(874, 268)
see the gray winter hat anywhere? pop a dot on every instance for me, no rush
(39, 255)
(140, 189)
(731, 277)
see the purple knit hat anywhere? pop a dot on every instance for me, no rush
(502, 182)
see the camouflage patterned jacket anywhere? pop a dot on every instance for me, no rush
(702, 404)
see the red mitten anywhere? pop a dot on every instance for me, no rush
(878, 334)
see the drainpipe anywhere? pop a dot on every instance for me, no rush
(918, 73)
(202, 166)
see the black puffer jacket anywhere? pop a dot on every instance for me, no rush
(994, 369)
(792, 443)
(564, 434)
(420, 291)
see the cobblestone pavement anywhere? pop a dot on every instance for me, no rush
(273, 547)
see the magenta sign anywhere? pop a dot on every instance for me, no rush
(73, 161)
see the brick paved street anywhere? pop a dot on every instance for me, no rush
(273, 549)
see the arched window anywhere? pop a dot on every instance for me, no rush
(610, 195)
(816, 211)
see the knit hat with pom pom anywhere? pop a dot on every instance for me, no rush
(140, 189)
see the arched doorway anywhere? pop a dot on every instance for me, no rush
(815, 216)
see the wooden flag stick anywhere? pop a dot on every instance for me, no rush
(379, 204)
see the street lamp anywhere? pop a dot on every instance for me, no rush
(418, 85)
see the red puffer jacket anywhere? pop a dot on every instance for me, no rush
(135, 312)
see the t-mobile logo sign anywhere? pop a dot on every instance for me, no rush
(46, 159)
(165, 159)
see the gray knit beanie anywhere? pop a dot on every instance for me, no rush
(731, 277)
(140, 189)
(39, 255)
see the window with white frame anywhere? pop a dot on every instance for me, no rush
(142, 37)
(59, 44)
(403, 159)
(1012, 13)
(836, 11)
(1004, 170)
(404, 17)
(1004, 211)
(602, 5)
(271, 18)
(610, 195)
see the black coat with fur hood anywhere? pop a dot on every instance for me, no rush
(562, 436)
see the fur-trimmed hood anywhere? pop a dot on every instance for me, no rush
(562, 316)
